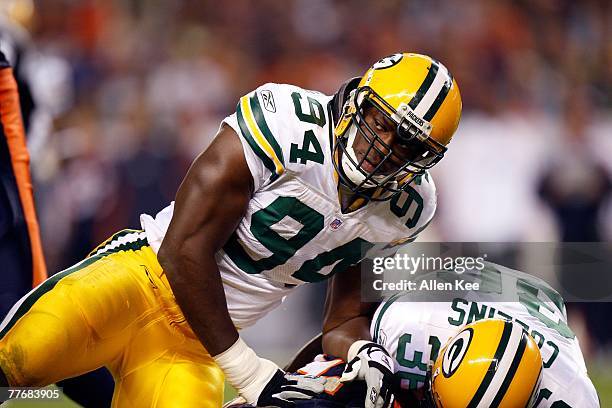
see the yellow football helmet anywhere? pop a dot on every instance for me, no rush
(418, 95)
(490, 363)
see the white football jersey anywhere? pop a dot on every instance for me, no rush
(294, 230)
(414, 332)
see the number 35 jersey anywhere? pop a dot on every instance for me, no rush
(294, 231)
(414, 332)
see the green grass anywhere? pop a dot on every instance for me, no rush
(601, 375)
(230, 393)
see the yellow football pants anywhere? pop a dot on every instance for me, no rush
(113, 309)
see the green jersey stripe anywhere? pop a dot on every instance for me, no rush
(260, 119)
(114, 244)
(388, 303)
(128, 246)
(246, 134)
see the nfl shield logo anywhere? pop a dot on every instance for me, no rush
(335, 224)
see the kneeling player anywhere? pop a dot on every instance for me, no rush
(413, 333)
(489, 362)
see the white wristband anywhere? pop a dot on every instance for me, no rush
(245, 371)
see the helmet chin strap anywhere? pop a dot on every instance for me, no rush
(349, 157)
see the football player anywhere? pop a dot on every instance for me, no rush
(415, 332)
(497, 356)
(296, 187)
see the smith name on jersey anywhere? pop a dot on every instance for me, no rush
(294, 230)
(413, 332)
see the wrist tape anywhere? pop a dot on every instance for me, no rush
(245, 371)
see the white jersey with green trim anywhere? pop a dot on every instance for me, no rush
(294, 231)
(413, 332)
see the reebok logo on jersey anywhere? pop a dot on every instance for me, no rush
(268, 101)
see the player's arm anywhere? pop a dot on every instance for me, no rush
(346, 334)
(346, 318)
(209, 205)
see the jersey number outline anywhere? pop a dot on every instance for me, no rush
(528, 297)
(316, 116)
(544, 394)
(417, 361)
(283, 249)
(411, 200)
(303, 153)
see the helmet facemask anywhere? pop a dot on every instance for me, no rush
(391, 168)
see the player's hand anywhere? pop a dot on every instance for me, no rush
(373, 364)
(284, 389)
(261, 382)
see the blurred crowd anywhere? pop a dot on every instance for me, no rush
(137, 88)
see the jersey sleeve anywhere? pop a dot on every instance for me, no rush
(257, 122)
(412, 211)
(423, 193)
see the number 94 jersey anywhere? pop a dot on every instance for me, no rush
(414, 332)
(294, 231)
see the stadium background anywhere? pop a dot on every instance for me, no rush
(136, 88)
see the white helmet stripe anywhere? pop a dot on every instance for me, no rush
(441, 79)
(504, 366)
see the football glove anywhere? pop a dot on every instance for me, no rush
(370, 362)
(261, 382)
(284, 389)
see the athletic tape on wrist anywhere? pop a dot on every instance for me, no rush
(244, 370)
